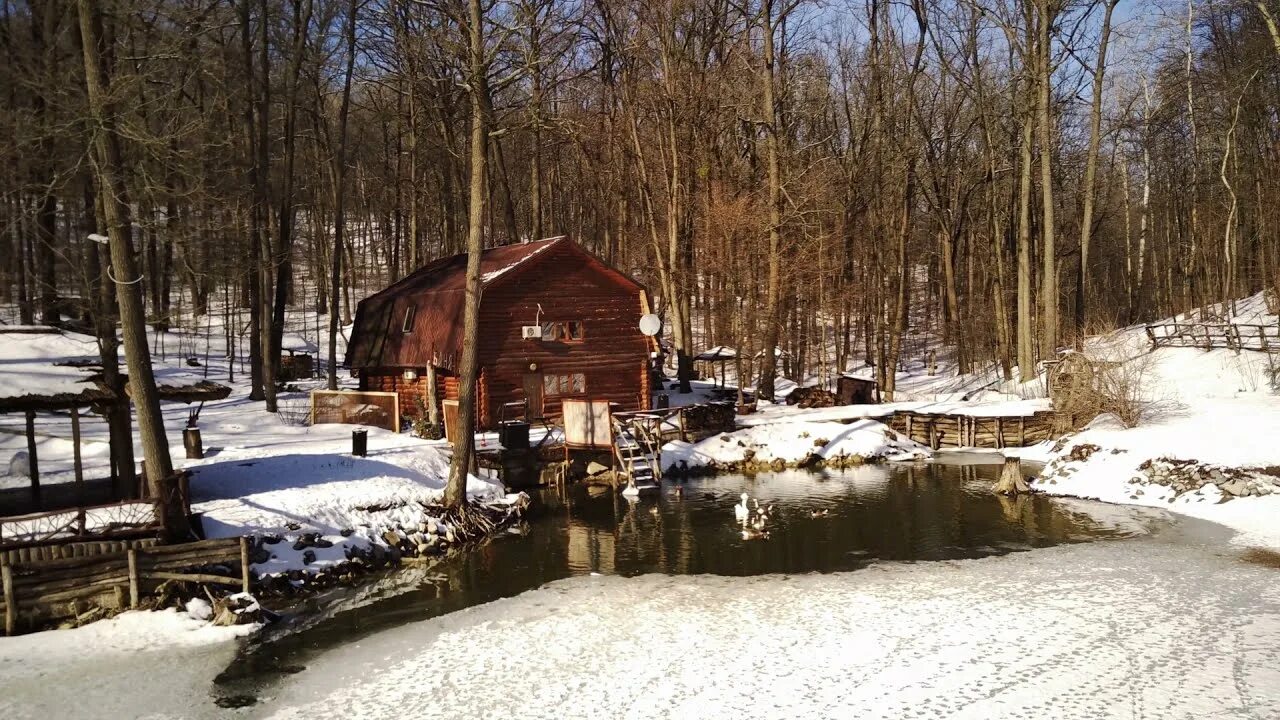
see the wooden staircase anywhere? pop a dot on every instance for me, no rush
(637, 450)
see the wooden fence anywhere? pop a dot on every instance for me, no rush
(995, 431)
(1206, 336)
(37, 593)
(126, 520)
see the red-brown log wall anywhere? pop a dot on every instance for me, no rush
(613, 354)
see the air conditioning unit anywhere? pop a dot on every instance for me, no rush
(531, 332)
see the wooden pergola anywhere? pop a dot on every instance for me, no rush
(95, 396)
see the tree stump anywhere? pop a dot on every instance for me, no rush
(1011, 481)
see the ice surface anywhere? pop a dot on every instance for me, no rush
(1134, 629)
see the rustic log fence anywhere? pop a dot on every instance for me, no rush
(53, 590)
(1207, 336)
(989, 431)
(114, 521)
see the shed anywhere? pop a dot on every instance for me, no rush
(555, 322)
(857, 391)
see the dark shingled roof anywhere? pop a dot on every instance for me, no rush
(438, 291)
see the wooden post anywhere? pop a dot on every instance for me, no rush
(1022, 431)
(133, 578)
(192, 443)
(244, 564)
(33, 465)
(999, 432)
(433, 395)
(75, 453)
(10, 603)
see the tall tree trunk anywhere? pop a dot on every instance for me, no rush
(44, 24)
(108, 168)
(1047, 12)
(1091, 169)
(339, 199)
(773, 287)
(256, 163)
(1026, 309)
(282, 255)
(455, 493)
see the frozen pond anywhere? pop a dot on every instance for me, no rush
(871, 514)
(659, 608)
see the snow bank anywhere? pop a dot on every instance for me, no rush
(1091, 631)
(793, 443)
(1210, 409)
(342, 501)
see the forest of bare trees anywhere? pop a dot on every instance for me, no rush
(843, 180)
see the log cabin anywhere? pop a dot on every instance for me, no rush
(587, 342)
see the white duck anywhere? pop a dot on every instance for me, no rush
(741, 510)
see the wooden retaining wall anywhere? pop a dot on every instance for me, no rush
(939, 431)
(41, 592)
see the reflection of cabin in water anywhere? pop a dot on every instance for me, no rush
(586, 344)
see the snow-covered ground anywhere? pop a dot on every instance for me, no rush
(1133, 629)
(793, 443)
(1214, 408)
(306, 482)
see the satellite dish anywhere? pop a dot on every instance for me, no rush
(650, 324)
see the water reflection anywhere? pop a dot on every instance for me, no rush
(873, 513)
(824, 522)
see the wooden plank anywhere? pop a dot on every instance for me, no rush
(33, 464)
(75, 453)
(133, 578)
(225, 544)
(194, 577)
(10, 601)
(244, 565)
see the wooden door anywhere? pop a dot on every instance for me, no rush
(533, 394)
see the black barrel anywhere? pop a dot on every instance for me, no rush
(664, 401)
(360, 442)
(514, 434)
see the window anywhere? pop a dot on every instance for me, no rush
(407, 325)
(569, 331)
(568, 384)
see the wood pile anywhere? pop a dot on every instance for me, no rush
(713, 417)
(812, 397)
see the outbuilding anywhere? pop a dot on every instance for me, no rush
(555, 322)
